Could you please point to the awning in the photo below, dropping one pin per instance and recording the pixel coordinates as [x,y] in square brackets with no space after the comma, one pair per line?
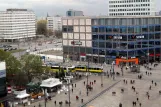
[51,82]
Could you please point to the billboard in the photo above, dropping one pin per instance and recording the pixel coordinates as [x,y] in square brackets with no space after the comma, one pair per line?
[2,69]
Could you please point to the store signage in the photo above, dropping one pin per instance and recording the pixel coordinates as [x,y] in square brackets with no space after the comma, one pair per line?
[133,57]
[76,43]
[117,37]
[140,37]
[123,57]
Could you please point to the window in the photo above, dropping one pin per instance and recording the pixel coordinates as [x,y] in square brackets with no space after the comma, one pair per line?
[108,29]
[101,37]
[157,28]
[144,28]
[102,44]
[123,29]
[101,29]
[95,37]
[95,44]
[95,29]
[130,29]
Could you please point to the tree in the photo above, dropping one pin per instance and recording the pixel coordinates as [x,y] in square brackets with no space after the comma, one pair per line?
[32,66]
[58,33]
[12,64]
[42,27]
[50,32]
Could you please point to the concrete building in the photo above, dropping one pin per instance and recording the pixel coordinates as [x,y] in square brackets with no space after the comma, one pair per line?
[72,12]
[131,7]
[54,23]
[17,24]
[103,39]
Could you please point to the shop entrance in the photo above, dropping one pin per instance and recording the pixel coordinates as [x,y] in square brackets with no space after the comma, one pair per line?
[125,61]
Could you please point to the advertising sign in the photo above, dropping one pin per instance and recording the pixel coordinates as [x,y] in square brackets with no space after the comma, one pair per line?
[2,69]
[117,37]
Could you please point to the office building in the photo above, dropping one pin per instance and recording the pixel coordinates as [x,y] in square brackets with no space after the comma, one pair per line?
[103,39]
[16,24]
[54,23]
[131,7]
[72,12]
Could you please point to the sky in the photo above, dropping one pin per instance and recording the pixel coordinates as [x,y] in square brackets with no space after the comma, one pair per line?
[59,7]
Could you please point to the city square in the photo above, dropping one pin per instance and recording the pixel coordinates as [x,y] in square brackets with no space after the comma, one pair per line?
[103,96]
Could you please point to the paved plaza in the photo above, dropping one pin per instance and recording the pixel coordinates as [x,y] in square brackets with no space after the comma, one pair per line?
[103,97]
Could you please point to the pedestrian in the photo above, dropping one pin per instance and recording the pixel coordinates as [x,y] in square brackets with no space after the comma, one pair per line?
[39,105]
[124,80]
[75,85]
[82,100]
[55,102]
[148,97]
[133,103]
[146,72]
[140,104]
[155,84]
[137,99]
[84,82]
[134,89]
[72,90]
[79,92]
[150,87]
[120,105]
[72,85]
[150,73]
[152,81]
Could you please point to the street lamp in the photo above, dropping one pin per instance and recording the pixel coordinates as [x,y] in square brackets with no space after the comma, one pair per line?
[69,91]
[113,69]
[45,96]
[87,71]
[102,77]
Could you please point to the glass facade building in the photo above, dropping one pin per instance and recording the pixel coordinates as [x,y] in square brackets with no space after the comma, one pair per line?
[125,37]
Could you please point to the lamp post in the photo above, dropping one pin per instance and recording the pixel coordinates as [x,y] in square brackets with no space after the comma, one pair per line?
[44,96]
[87,70]
[69,91]
[102,77]
[113,70]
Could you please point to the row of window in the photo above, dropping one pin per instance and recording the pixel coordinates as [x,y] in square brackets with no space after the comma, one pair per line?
[67,28]
[125,45]
[133,9]
[124,53]
[126,21]
[122,14]
[124,29]
[127,37]
[128,1]
[130,5]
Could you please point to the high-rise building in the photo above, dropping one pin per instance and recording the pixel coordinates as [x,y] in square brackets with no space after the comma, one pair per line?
[17,24]
[72,12]
[54,23]
[106,39]
[131,7]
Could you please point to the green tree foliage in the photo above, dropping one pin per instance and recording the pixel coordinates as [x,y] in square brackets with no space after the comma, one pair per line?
[12,64]
[58,33]
[32,66]
[41,27]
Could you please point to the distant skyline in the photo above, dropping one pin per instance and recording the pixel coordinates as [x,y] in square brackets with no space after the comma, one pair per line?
[54,7]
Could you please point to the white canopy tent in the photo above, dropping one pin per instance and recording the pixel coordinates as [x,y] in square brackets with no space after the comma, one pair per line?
[51,82]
